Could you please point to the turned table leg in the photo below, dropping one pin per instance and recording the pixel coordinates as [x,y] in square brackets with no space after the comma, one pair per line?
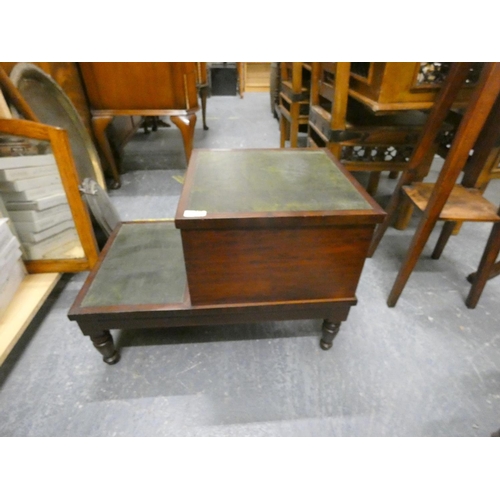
[329,332]
[103,342]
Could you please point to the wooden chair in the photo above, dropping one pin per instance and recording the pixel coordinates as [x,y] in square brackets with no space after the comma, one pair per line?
[294,100]
[445,200]
[358,137]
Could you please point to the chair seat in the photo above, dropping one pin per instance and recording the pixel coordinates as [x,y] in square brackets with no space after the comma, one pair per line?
[463,204]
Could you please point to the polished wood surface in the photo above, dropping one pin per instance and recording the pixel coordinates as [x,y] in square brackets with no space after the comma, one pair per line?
[266,265]
[126,306]
[134,87]
[145,89]
[395,86]
[267,225]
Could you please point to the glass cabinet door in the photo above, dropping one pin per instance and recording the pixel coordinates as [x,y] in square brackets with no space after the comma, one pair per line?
[39,192]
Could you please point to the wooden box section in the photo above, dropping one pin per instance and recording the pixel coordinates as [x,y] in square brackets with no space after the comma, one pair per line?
[397,86]
[262,226]
[125,86]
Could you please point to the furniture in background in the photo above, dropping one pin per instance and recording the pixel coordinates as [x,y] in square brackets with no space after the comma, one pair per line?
[203,87]
[251,244]
[401,86]
[294,95]
[361,139]
[75,249]
[254,76]
[224,79]
[274,88]
[144,89]
[444,200]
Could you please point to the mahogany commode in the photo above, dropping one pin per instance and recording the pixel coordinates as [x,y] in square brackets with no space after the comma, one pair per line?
[259,235]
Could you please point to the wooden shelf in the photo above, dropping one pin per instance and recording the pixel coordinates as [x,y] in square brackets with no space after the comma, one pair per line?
[30,296]
[463,204]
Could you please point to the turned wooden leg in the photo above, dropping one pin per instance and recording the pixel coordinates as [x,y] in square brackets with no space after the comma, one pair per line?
[99,124]
[203,98]
[329,331]
[186,124]
[103,342]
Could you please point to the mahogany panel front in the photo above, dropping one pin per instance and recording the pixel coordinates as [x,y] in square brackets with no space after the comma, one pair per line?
[273,225]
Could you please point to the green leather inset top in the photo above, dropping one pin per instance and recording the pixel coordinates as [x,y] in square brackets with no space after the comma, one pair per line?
[249,181]
[145,265]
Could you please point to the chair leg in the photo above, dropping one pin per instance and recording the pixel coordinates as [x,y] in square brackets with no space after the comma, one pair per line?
[417,245]
[282,131]
[373,181]
[446,232]
[203,98]
[485,267]
[495,271]
[405,211]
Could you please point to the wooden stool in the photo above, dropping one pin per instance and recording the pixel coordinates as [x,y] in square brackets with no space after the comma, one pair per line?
[444,200]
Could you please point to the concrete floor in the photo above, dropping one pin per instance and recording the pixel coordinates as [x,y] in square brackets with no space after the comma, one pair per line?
[428,367]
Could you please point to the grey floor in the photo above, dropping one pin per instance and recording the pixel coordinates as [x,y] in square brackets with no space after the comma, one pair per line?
[428,367]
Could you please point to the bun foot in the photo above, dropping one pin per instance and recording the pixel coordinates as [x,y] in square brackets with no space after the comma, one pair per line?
[325,345]
[112,360]
[329,332]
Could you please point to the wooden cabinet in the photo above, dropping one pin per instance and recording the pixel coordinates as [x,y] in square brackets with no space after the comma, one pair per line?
[256,77]
[397,86]
[144,89]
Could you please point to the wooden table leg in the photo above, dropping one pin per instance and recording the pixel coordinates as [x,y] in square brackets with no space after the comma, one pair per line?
[329,332]
[103,342]
[99,124]
[186,124]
